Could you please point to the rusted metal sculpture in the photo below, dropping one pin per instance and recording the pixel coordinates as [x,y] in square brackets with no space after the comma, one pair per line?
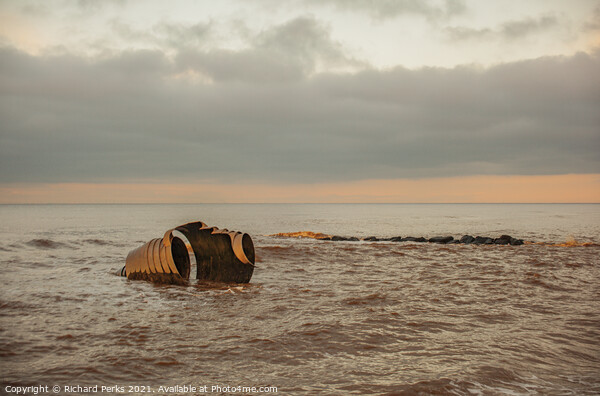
[221,256]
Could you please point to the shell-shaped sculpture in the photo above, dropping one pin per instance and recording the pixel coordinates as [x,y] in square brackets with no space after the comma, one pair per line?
[221,255]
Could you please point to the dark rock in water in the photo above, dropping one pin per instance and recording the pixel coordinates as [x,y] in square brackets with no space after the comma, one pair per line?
[338,238]
[479,240]
[503,240]
[441,239]
[341,238]
[413,239]
[467,239]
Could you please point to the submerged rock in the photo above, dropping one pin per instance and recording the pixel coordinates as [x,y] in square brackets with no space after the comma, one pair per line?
[413,239]
[439,239]
[341,238]
[338,238]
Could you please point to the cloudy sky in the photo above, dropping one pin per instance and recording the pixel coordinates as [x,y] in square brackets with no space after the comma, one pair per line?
[300,101]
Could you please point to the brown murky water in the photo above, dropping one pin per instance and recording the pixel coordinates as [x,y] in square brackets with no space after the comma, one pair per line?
[319,317]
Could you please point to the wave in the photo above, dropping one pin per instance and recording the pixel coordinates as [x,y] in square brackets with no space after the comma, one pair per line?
[99,242]
[277,248]
[369,299]
[570,242]
[17,306]
[45,244]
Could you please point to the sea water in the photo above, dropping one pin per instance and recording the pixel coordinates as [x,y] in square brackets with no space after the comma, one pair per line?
[318,317]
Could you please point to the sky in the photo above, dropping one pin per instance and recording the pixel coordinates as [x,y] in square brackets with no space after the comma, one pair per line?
[299,101]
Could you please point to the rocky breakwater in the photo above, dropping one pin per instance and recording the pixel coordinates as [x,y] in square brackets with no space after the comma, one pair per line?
[465,239]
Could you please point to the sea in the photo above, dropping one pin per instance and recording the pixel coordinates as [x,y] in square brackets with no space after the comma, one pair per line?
[318,317]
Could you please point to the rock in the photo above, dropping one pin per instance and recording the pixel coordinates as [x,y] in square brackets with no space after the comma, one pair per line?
[446,239]
[338,238]
[467,239]
[479,240]
[341,238]
[503,240]
[413,239]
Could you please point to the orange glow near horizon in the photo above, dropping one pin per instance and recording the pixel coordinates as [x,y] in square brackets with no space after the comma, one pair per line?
[575,188]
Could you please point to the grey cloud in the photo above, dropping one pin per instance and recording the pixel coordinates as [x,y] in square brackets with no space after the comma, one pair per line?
[510,30]
[135,64]
[287,52]
[460,33]
[383,9]
[93,5]
[177,35]
[66,118]
[254,65]
[517,29]
[39,10]
[305,38]
[593,23]
[166,35]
